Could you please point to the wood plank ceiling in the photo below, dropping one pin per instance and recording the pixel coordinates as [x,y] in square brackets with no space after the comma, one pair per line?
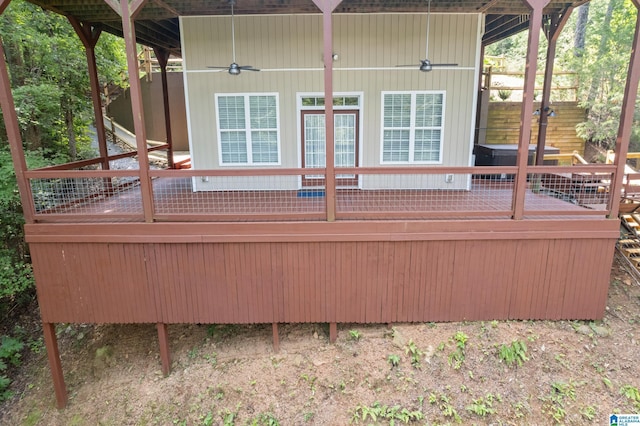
[157,23]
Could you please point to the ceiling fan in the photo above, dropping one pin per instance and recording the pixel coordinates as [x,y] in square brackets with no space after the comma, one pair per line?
[425,64]
[234,68]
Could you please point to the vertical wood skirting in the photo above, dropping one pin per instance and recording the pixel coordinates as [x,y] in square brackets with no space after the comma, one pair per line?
[53,354]
[165,352]
[323,282]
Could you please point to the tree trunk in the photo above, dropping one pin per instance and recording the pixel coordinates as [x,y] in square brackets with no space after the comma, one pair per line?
[71,134]
[605,31]
[581,30]
[32,137]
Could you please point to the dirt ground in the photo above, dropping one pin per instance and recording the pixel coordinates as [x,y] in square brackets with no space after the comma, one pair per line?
[571,373]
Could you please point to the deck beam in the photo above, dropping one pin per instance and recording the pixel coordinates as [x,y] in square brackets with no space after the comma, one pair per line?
[163,58]
[128,12]
[89,35]
[53,354]
[333,332]
[165,352]
[553,32]
[276,337]
[535,26]
[327,7]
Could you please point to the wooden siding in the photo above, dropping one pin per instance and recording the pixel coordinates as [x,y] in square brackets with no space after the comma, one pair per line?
[504,124]
[321,272]
[120,110]
[288,49]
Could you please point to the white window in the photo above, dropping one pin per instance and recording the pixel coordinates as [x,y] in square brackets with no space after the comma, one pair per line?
[412,127]
[248,129]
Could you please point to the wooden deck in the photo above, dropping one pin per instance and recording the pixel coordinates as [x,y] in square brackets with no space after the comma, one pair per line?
[174,199]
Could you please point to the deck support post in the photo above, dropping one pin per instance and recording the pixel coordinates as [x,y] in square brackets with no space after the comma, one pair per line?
[13,132]
[535,24]
[276,337]
[53,354]
[163,59]
[553,31]
[89,35]
[127,12]
[333,332]
[327,7]
[626,119]
[165,353]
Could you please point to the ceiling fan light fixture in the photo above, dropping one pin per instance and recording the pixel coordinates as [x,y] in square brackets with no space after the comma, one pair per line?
[425,66]
[234,69]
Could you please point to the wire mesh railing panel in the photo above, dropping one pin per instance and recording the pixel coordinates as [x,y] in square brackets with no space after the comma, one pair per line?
[238,198]
[568,193]
[434,196]
[87,196]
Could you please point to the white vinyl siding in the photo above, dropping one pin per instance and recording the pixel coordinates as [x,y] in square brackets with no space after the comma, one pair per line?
[248,130]
[412,127]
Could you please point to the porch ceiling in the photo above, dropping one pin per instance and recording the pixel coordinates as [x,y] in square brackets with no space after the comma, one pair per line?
[157,23]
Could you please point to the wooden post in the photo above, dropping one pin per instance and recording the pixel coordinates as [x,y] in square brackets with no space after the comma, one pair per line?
[13,133]
[128,12]
[327,7]
[276,337]
[626,119]
[535,24]
[333,332]
[53,354]
[556,25]
[163,58]
[89,35]
[165,352]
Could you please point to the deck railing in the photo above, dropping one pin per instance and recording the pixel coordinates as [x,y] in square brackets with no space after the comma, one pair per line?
[380,193]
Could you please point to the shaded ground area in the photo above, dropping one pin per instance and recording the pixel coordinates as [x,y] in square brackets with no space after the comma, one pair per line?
[571,373]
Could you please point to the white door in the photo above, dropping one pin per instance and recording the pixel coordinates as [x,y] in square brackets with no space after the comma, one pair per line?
[314,145]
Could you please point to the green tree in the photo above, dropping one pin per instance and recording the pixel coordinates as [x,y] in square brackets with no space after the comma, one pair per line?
[49,75]
[601,63]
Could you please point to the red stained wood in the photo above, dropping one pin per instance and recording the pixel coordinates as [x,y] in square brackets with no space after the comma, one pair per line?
[163,343]
[323,281]
[53,354]
[276,337]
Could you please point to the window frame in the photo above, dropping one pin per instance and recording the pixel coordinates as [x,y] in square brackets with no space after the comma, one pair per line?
[412,126]
[249,147]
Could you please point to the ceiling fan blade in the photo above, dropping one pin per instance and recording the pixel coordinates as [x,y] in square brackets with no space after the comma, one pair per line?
[248,68]
[218,68]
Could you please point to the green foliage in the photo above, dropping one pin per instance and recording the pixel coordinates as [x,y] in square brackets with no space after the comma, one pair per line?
[601,66]
[416,354]
[632,394]
[589,412]
[482,407]
[10,354]
[504,94]
[264,419]
[456,358]
[354,335]
[48,71]
[16,277]
[394,360]
[554,404]
[514,353]
[445,406]
[378,413]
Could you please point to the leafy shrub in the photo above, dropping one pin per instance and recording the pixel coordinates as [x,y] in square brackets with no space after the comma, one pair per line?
[10,354]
